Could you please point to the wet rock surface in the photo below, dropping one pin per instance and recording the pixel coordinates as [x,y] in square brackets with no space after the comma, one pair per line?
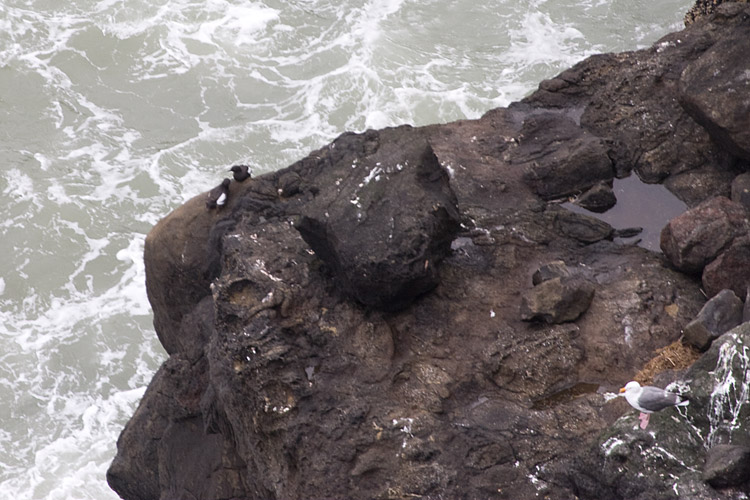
[309,358]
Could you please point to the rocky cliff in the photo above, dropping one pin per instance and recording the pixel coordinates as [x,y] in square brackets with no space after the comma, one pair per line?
[411,313]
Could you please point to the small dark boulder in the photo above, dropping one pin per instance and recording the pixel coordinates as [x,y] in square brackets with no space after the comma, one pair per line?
[557,300]
[554,269]
[696,237]
[727,465]
[583,228]
[599,198]
[720,314]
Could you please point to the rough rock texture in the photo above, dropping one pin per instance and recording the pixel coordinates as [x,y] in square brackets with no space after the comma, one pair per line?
[715,90]
[720,314]
[559,157]
[557,300]
[398,199]
[285,381]
[695,238]
[730,269]
[599,198]
[554,269]
[727,465]
[703,8]
[741,190]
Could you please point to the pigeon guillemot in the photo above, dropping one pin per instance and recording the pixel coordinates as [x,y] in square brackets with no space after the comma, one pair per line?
[217,197]
[649,399]
[241,172]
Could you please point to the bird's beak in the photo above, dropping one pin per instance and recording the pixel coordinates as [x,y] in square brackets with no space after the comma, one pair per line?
[622,389]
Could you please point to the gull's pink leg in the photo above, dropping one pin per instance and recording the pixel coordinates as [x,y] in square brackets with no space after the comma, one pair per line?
[644,420]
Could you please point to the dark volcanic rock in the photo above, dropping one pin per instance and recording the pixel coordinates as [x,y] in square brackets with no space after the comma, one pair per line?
[727,465]
[554,269]
[580,227]
[741,190]
[720,314]
[560,158]
[703,8]
[430,384]
[599,198]
[388,221]
[715,88]
[695,238]
[557,300]
[729,270]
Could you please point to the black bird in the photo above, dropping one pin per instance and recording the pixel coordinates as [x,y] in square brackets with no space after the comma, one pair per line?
[217,197]
[241,172]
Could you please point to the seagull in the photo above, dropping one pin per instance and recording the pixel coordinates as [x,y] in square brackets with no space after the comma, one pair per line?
[649,399]
[217,197]
[241,172]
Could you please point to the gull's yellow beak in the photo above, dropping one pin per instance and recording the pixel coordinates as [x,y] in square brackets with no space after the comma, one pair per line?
[622,389]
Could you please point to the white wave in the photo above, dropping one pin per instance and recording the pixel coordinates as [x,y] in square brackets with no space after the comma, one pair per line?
[19,186]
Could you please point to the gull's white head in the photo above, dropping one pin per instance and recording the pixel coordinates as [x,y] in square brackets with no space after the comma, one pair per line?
[630,386]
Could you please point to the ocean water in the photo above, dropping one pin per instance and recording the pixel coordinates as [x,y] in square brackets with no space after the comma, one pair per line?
[114,112]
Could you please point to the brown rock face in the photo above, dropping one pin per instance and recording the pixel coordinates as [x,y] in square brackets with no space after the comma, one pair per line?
[729,270]
[317,353]
[698,236]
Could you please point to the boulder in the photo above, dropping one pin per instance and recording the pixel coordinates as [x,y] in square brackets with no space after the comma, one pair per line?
[729,269]
[727,465]
[715,89]
[695,238]
[559,157]
[583,228]
[389,220]
[557,300]
[599,198]
[720,314]
[554,269]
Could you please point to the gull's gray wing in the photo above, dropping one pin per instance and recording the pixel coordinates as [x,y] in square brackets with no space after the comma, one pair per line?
[655,399]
